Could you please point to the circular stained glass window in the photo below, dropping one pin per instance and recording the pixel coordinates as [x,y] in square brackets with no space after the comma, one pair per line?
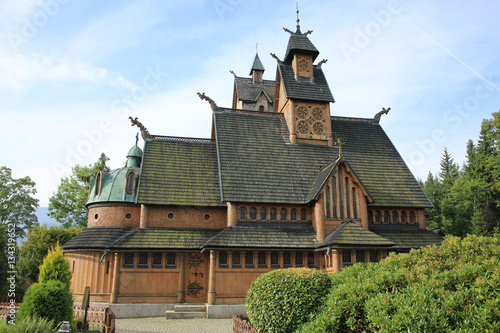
[303,126]
[302,112]
[319,128]
[317,113]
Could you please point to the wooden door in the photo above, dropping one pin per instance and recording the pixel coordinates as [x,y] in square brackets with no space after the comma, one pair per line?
[196,277]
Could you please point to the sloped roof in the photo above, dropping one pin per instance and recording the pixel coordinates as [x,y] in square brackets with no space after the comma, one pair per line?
[378,165]
[317,90]
[248,91]
[410,238]
[299,42]
[166,238]
[258,163]
[97,238]
[179,172]
[257,64]
[349,233]
[286,236]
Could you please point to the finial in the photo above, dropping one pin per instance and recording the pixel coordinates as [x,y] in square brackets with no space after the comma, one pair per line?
[230,71]
[137,138]
[257,48]
[298,20]
[276,57]
[340,144]
[376,118]
[209,100]
[322,62]
[144,132]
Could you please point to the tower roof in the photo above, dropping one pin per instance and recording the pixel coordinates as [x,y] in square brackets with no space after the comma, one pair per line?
[257,64]
[299,43]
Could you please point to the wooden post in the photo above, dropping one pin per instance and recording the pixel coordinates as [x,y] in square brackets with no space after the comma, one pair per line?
[182,274]
[144,216]
[116,279]
[211,279]
[319,217]
[232,214]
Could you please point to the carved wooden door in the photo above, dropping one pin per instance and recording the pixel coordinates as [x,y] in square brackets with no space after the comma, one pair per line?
[196,277]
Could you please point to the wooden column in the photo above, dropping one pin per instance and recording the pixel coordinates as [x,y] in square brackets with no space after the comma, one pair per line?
[319,218]
[144,216]
[116,280]
[211,279]
[182,275]
[232,214]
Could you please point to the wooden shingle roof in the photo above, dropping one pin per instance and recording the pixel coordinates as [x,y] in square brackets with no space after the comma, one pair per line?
[282,236]
[349,233]
[410,238]
[317,90]
[179,172]
[248,91]
[97,238]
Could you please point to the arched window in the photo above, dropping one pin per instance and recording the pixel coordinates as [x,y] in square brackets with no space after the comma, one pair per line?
[236,259]
[262,259]
[370,216]
[327,202]
[293,214]
[299,259]
[403,217]
[283,214]
[263,214]
[303,214]
[273,214]
[412,217]
[334,197]
[347,201]
[395,217]
[130,187]
[287,259]
[98,182]
[249,259]
[223,259]
[386,216]
[378,216]
[253,213]
[341,196]
[261,108]
[275,259]
[354,203]
[243,213]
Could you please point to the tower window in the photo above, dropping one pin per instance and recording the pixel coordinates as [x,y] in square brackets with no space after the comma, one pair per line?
[327,202]
[293,214]
[378,216]
[253,213]
[395,217]
[130,187]
[98,182]
[347,201]
[341,196]
[386,216]
[261,108]
[354,203]
[273,214]
[370,216]
[334,196]
[412,217]
[403,217]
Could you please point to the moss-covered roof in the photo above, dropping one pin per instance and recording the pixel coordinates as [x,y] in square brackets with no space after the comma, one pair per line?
[179,172]
[97,238]
[349,233]
[283,236]
[249,91]
[408,237]
[317,90]
[113,187]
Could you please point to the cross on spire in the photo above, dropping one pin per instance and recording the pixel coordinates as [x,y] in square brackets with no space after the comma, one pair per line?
[340,144]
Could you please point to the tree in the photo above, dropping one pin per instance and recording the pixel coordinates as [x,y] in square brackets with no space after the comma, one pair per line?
[449,169]
[67,205]
[39,240]
[55,267]
[17,204]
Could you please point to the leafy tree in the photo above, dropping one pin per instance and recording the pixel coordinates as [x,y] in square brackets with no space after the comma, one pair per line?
[17,204]
[39,240]
[67,205]
[55,267]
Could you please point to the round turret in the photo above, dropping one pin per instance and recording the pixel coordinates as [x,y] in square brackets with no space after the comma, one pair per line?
[134,157]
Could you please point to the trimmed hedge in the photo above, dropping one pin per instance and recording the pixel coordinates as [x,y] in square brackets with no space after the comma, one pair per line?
[451,288]
[281,300]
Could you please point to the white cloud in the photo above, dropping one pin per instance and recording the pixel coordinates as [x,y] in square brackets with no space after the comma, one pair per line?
[20,72]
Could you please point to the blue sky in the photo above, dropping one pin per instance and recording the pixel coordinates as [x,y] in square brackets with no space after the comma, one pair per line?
[72,72]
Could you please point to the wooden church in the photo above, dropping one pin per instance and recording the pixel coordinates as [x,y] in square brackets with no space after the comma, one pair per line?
[280,183]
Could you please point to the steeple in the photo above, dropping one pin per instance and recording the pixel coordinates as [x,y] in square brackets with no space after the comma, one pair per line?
[257,70]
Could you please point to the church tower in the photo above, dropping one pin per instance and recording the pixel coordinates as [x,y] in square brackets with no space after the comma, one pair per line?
[302,93]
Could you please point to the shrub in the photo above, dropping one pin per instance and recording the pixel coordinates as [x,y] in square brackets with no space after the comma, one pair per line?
[454,287]
[51,300]
[281,300]
[55,267]
[30,325]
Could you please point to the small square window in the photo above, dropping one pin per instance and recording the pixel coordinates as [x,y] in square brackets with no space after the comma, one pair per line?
[157,259]
[143,260]
[128,260]
[171,260]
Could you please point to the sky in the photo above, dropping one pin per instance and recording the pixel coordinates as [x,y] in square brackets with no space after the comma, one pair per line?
[72,72]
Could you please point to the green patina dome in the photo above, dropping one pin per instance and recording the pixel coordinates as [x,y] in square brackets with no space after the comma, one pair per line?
[135,152]
[134,157]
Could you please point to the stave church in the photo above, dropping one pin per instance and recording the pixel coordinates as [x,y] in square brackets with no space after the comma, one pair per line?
[282,182]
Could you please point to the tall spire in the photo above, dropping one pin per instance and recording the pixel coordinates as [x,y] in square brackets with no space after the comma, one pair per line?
[298,20]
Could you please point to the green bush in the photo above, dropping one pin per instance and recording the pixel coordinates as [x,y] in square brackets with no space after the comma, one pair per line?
[30,325]
[51,300]
[451,288]
[281,300]
[55,267]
